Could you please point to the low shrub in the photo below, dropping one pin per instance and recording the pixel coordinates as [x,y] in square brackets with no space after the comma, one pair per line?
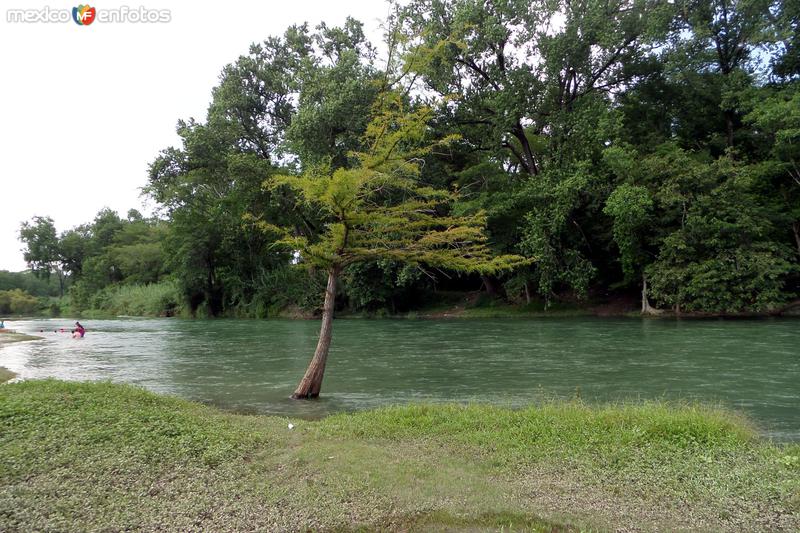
[18,302]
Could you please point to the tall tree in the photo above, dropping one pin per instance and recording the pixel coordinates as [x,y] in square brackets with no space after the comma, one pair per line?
[778,118]
[74,244]
[336,87]
[721,35]
[42,251]
[378,210]
[787,61]
[304,95]
[517,69]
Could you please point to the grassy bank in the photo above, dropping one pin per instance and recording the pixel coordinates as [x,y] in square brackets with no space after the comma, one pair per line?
[154,299]
[101,456]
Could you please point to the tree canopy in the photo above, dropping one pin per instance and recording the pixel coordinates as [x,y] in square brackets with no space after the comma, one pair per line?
[618,146]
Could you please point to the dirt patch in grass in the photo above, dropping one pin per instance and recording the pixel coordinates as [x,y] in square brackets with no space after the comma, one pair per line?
[6,374]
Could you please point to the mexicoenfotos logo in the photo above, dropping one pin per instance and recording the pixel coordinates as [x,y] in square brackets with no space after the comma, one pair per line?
[83,15]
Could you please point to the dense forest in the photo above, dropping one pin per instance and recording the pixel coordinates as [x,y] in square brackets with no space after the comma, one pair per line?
[633,149]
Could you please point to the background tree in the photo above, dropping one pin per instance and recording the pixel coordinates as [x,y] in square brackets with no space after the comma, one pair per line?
[528,86]
[619,143]
[722,35]
[302,98]
[42,251]
[777,115]
[520,68]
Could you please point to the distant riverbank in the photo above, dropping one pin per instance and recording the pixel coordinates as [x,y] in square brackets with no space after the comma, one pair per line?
[162,300]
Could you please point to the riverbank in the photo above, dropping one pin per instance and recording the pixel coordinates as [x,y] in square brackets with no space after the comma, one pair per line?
[480,305]
[8,336]
[6,375]
[97,455]
[441,305]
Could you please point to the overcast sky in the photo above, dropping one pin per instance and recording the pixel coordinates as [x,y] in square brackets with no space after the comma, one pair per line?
[84,109]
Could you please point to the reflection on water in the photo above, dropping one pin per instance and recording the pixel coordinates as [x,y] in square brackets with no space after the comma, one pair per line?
[253,366]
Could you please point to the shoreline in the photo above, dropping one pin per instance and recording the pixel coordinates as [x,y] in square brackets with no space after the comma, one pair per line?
[475,304]
[8,336]
[456,313]
[6,375]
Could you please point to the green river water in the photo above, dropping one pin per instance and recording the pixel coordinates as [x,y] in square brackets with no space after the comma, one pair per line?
[253,365]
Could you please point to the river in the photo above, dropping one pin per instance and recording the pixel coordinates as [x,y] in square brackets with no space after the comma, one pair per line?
[253,365]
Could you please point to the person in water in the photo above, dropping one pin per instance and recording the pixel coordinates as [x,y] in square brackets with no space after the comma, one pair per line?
[80,330]
[2,324]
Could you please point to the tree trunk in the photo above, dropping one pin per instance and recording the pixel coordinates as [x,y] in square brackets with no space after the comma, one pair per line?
[647,309]
[526,157]
[729,127]
[796,229]
[311,383]
[490,284]
[527,294]
[61,282]
[788,307]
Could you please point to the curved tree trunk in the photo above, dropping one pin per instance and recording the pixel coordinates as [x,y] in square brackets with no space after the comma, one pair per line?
[647,309]
[60,282]
[491,285]
[729,127]
[311,383]
[787,307]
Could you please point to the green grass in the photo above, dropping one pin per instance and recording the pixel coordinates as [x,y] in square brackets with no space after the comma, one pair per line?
[99,456]
[153,299]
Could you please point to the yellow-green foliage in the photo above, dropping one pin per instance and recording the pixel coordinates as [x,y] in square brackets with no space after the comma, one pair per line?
[18,302]
[380,210]
[152,299]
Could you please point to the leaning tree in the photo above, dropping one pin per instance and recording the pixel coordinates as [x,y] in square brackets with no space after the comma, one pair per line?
[379,209]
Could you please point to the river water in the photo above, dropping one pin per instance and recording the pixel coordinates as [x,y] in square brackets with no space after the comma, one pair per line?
[253,365]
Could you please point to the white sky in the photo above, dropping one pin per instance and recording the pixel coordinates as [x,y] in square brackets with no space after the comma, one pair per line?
[83,110]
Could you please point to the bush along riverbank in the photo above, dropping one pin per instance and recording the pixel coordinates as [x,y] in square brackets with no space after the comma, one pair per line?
[91,456]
